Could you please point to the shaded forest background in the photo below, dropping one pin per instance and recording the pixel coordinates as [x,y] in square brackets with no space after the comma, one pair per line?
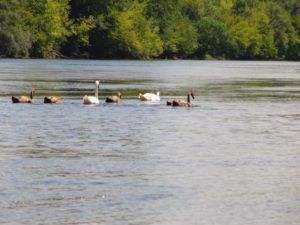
[132,29]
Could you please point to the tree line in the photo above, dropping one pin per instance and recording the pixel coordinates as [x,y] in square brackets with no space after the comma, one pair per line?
[145,29]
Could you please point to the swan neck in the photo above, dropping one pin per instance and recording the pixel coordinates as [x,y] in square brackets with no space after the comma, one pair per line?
[31,95]
[189,98]
[97,91]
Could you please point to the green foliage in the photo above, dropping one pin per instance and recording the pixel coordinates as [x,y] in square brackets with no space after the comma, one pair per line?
[243,7]
[281,26]
[214,38]
[14,39]
[177,32]
[136,35]
[82,28]
[50,25]
[180,37]
[231,29]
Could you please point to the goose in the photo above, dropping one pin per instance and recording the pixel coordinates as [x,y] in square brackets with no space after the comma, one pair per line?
[24,99]
[53,99]
[92,99]
[180,102]
[149,97]
[114,98]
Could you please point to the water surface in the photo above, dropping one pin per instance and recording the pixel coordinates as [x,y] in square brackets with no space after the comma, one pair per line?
[233,158]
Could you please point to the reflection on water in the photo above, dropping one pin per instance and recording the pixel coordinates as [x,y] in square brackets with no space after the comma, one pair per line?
[232,159]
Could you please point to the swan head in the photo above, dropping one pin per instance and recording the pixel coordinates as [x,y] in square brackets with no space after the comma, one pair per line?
[32,93]
[158,93]
[119,95]
[97,83]
[191,93]
[140,95]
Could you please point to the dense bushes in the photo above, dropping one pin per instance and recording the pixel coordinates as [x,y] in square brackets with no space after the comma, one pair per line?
[225,29]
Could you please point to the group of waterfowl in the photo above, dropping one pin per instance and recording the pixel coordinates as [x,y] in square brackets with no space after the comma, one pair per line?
[110,99]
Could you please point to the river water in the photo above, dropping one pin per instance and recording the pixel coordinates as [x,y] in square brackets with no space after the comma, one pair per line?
[233,158]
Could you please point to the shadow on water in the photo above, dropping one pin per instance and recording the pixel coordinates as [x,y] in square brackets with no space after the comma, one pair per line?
[87,81]
[254,89]
[73,88]
[232,90]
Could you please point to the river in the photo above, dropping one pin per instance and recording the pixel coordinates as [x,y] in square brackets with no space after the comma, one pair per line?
[233,158]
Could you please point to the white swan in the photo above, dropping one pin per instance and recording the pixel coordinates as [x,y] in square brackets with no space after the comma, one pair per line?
[149,97]
[92,99]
